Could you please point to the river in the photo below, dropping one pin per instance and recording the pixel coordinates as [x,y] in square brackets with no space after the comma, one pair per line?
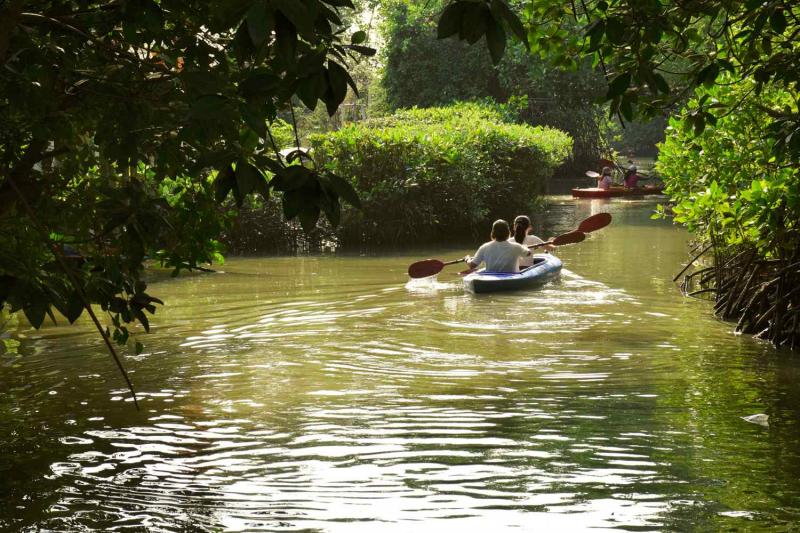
[327,394]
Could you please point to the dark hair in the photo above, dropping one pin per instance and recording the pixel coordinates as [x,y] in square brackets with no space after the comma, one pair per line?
[606,171]
[521,225]
[500,231]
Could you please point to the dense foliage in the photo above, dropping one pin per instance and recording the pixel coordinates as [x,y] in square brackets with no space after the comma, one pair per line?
[421,70]
[734,194]
[124,126]
[439,173]
[727,182]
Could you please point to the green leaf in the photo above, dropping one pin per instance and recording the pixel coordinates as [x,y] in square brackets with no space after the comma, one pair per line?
[74,307]
[661,83]
[337,82]
[615,30]
[502,11]
[254,119]
[595,32]
[309,216]
[496,40]
[358,37]
[36,310]
[297,13]
[626,108]
[619,85]
[777,20]
[708,74]
[259,85]
[312,88]
[343,189]
[249,179]
[293,202]
[226,180]
[450,21]
[727,65]
[260,23]
[699,123]
[142,318]
[285,38]
[363,50]
[291,178]
[474,22]
[332,209]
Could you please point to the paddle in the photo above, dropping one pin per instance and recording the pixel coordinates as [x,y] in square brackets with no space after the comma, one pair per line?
[595,222]
[572,237]
[429,267]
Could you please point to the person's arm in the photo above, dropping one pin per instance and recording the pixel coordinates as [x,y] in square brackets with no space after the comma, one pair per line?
[475,260]
[537,240]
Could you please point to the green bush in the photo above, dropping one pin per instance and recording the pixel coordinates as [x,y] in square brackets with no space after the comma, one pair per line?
[422,70]
[726,182]
[439,174]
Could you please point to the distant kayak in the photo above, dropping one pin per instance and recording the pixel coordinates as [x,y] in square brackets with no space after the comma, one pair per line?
[545,267]
[614,192]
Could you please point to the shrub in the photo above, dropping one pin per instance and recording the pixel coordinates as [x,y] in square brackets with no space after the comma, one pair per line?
[726,182]
[439,174]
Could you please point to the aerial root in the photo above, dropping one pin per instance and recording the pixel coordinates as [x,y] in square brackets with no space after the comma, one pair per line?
[761,295]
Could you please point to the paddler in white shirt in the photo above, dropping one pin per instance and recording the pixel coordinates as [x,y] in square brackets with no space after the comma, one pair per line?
[500,254]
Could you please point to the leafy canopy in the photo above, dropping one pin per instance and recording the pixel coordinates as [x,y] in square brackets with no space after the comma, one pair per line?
[727,183]
[656,53]
[125,126]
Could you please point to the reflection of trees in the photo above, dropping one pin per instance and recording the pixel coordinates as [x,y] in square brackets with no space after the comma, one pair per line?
[733,465]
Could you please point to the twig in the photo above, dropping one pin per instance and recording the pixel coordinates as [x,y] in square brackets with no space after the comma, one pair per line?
[701,291]
[78,288]
[695,258]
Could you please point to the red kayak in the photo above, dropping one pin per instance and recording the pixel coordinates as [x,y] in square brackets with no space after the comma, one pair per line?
[614,192]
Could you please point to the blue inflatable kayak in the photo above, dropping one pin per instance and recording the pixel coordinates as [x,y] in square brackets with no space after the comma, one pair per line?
[545,267]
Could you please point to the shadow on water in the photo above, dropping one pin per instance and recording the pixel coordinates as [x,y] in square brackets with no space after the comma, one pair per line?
[327,394]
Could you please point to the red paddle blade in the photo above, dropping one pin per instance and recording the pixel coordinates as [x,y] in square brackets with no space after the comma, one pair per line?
[595,222]
[426,268]
[569,238]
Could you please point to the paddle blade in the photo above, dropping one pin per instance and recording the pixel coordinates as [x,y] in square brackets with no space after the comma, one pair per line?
[569,238]
[426,268]
[595,222]
[592,174]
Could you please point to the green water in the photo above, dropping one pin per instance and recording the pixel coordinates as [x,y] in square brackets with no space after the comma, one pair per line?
[326,394]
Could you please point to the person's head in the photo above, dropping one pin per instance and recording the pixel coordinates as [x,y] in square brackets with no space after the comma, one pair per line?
[500,231]
[521,225]
[606,171]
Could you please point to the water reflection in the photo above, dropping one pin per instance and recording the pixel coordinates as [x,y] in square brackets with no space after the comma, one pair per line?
[327,394]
